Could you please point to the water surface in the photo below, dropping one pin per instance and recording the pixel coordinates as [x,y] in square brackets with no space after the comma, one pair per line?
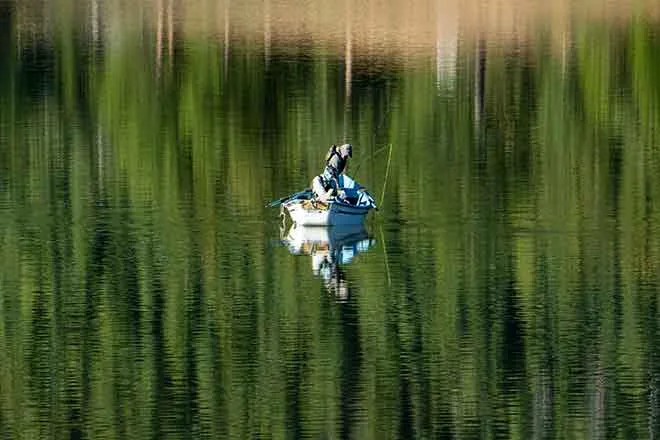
[506,288]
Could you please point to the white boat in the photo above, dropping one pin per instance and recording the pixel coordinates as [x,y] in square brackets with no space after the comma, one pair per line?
[349,209]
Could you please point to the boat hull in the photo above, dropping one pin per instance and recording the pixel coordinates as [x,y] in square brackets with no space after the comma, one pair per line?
[336,214]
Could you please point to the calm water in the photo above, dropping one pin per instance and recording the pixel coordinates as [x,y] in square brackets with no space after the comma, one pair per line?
[507,288]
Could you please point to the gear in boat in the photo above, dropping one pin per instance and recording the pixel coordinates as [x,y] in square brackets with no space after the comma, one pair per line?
[349,206]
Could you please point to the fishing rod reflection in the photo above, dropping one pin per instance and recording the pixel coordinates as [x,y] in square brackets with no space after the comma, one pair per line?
[330,248]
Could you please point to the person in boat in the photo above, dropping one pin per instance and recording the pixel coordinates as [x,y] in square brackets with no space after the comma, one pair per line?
[326,185]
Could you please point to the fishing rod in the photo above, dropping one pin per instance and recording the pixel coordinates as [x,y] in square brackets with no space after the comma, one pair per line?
[373,141]
[370,156]
[278,202]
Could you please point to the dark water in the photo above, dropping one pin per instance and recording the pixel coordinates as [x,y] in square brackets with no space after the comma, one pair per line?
[507,288]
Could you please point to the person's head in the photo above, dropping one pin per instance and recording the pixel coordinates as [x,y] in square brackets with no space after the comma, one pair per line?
[346,150]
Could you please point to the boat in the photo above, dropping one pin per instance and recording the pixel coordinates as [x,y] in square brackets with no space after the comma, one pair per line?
[350,207]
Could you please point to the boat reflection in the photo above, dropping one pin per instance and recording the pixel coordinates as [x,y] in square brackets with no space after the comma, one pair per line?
[330,249]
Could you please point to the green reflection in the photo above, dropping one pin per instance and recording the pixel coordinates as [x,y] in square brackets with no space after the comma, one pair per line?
[513,294]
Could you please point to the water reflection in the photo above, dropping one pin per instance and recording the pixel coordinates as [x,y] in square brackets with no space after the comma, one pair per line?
[330,248]
[516,295]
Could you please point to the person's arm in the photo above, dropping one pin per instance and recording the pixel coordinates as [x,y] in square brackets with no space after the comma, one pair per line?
[333,165]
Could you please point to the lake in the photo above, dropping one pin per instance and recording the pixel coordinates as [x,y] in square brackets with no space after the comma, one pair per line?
[508,287]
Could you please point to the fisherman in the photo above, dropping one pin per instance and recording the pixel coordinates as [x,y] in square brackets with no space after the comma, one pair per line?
[326,184]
